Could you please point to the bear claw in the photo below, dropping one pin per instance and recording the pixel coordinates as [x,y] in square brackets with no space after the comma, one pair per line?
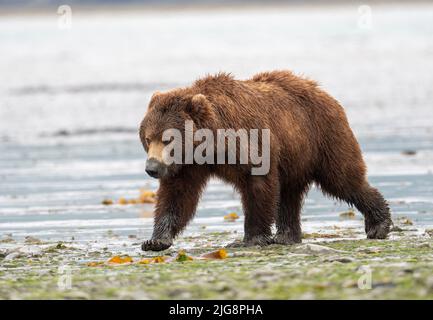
[156,245]
[378,230]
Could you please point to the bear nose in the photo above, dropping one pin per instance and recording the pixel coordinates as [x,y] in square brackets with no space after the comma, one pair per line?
[153,168]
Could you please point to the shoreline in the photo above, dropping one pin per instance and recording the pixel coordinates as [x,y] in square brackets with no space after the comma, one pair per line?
[195,7]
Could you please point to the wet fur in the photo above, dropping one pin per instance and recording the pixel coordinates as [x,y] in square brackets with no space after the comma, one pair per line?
[311,142]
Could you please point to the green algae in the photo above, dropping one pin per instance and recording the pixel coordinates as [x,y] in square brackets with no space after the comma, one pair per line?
[399,268]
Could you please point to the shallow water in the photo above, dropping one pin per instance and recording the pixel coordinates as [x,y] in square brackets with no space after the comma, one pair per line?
[71,101]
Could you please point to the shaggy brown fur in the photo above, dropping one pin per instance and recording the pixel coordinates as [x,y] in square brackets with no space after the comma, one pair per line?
[311,141]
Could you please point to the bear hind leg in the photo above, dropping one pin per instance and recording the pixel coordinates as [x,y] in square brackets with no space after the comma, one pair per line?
[260,204]
[368,200]
[375,210]
[288,220]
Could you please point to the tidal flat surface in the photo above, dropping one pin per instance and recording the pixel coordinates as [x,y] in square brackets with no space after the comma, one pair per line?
[69,116]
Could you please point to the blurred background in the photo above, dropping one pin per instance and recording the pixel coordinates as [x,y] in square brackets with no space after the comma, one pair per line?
[76,78]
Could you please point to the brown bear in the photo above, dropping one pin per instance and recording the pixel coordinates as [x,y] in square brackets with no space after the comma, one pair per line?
[310,142]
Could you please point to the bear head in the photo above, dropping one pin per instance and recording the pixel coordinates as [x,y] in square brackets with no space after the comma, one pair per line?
[169,111]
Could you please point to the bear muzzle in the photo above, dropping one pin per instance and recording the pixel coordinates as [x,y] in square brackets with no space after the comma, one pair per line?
[155,168]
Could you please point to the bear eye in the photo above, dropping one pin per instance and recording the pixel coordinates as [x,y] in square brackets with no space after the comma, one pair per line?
[147,141]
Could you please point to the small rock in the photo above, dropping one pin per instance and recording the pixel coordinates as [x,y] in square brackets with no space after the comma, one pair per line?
[179,293]
[3,253]
[423,245]
[246,254]
[12,256]
[77,295]
[60,245]
[371,250]
[30,251]
[307,296]
[350,284]
[384,284]
[316,235]
[429,232]
[408,152]
[340,259]
[32,240]
[315,248]
[132,295]
[7,239]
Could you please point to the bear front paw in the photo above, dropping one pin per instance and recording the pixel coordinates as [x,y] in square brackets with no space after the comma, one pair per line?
[378,230]
[156,245]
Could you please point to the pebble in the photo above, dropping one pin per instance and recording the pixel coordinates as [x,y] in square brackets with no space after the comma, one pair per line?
[340,259]
[77,295]
[3,253]
[32,251]
[7,239]
[429,232]
[423,245]
[12,256]
[315,248]
[32,240]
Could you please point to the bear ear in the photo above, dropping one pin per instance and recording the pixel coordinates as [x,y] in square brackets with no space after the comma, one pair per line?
[153,100]
[200,109]
[198,99]
[155,95]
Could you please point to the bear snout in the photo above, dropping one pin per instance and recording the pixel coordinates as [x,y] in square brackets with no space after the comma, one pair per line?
[155,168]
